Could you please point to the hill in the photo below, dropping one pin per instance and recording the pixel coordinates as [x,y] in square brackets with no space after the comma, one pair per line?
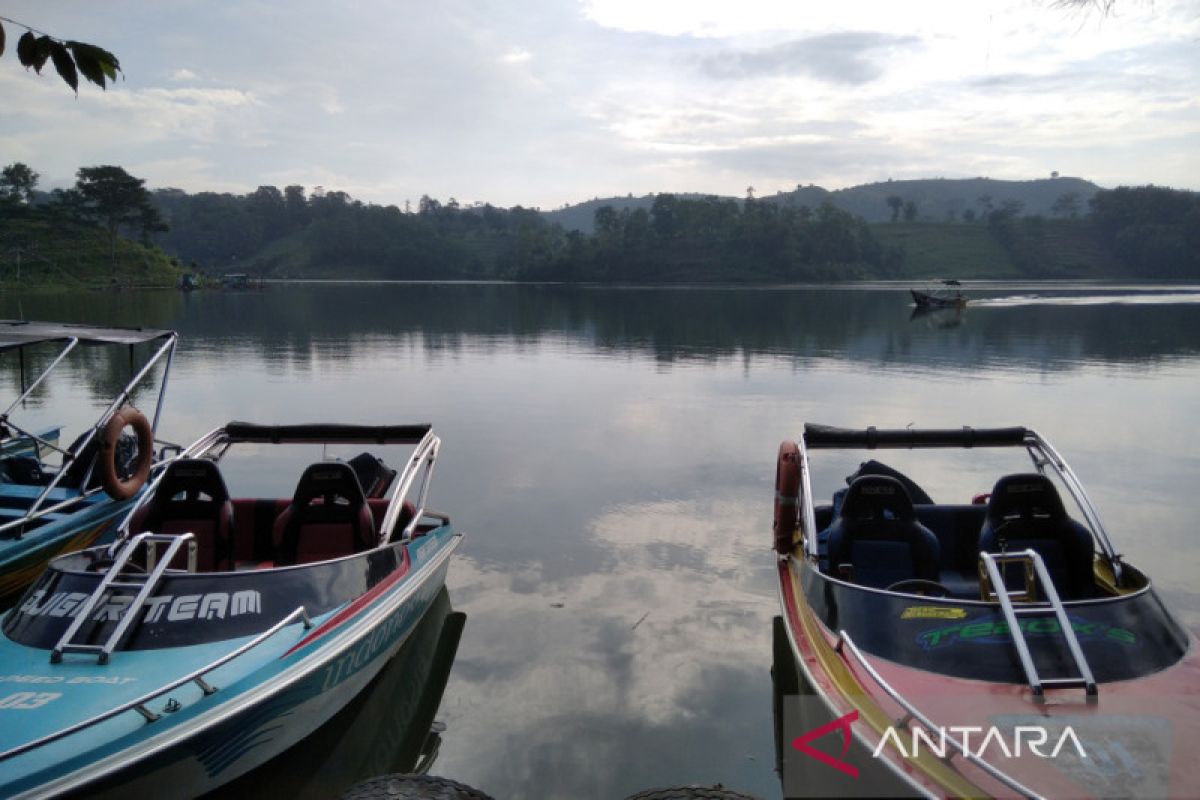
[936,200]
[36,251]
[1060,249]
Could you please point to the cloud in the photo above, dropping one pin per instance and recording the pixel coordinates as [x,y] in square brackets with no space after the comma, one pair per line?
[183,75]
[516,55]
[853,57]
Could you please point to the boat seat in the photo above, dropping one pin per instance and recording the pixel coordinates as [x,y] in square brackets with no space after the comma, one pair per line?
[192,497]
[876,532]
[328,517]
[1025,512]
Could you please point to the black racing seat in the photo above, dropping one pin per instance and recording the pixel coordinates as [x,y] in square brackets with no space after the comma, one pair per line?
[192,498]
[1025,512]
[328,518]
[876,532]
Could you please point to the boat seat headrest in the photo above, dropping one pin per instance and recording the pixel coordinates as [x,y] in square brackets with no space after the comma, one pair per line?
[196,479]
[877,497]
[334,482]
[1024,495]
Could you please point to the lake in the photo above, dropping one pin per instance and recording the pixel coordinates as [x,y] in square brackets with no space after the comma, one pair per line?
[610,454]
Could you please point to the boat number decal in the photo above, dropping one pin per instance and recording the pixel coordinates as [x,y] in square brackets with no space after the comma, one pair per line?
[933,612]
[362,653]
[988,630]
[169,608]
[27,700]
[107,680]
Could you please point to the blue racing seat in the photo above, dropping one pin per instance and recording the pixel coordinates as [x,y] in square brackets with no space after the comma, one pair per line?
[1026,513]
[876,532]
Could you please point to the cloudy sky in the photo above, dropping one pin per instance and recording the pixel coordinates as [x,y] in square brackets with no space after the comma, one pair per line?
[546,102]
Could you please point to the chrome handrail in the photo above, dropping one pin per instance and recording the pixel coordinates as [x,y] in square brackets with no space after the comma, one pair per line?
[844,641]
[139,703]
[1077,492]
[167,348]
[425,454]
[71,344]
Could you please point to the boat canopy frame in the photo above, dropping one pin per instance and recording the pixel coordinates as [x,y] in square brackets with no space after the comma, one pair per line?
[217,442]
[1043,455]
[17,335]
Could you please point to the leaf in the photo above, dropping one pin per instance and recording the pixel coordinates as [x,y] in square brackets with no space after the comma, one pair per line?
[41,52]
[104,59]
[26,48]
[1,40]
[88,59]
[65,65]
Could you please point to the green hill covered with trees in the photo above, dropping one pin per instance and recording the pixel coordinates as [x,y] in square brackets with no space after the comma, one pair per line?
[83,235]
[78,237]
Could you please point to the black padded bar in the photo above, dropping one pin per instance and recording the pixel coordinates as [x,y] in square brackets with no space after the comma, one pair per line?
[321,433]
[824,436]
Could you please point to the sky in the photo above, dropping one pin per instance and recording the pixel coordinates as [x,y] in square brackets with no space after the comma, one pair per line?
[542,103]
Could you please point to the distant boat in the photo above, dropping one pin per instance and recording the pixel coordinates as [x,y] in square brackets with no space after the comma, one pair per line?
[939,298]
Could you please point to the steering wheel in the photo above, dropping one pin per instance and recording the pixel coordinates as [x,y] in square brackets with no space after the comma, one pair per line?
[919,586]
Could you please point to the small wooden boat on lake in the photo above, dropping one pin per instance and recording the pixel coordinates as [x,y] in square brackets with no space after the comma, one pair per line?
[994,648]
[936,298]
[219,630]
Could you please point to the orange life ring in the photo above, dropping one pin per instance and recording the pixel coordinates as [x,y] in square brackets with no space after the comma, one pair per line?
[787,497]
[117,487]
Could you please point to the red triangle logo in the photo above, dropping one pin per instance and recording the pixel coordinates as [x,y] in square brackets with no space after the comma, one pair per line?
[801,743]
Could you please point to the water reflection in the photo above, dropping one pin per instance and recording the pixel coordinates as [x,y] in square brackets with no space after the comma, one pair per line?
[388,728]
[300,325]
[609,454]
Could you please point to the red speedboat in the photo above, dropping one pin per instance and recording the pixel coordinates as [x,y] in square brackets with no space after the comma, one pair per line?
[996,648]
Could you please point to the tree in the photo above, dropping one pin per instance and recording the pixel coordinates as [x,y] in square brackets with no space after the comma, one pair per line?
[70,58]
[17,182]
[1068,205]
[114,198]
[910,211]
[895,202]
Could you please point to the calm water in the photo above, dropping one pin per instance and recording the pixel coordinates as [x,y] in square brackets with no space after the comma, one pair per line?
[610,455]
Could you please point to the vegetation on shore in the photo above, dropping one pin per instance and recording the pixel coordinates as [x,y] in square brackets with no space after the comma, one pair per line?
[76,237]
[1141,233]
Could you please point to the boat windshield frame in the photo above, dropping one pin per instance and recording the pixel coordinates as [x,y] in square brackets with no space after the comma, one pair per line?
[17,335]
[1040,451]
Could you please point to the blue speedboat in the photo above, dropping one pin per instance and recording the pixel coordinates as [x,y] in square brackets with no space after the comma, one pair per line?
[219,630]
[57,499]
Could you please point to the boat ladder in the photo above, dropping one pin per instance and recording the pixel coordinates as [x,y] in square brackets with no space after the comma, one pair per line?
[117,582]
[994,588]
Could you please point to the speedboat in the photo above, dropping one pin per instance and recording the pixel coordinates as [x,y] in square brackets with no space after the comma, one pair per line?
[56,499]
[219,630]
[996,647]
[938,298]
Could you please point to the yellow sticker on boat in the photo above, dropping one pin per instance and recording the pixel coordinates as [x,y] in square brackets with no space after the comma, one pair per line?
[933,612]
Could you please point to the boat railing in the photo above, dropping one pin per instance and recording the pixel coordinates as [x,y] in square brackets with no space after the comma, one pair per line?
[425,455]
[1034,566]
[167,350]
[62,505]
[139,704]
[913,713]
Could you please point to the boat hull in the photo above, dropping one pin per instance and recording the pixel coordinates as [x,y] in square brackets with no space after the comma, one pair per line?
[1132,741]
[306,678]
[23,560]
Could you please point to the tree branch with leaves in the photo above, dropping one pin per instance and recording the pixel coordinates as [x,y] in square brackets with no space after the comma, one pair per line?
[71,59]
